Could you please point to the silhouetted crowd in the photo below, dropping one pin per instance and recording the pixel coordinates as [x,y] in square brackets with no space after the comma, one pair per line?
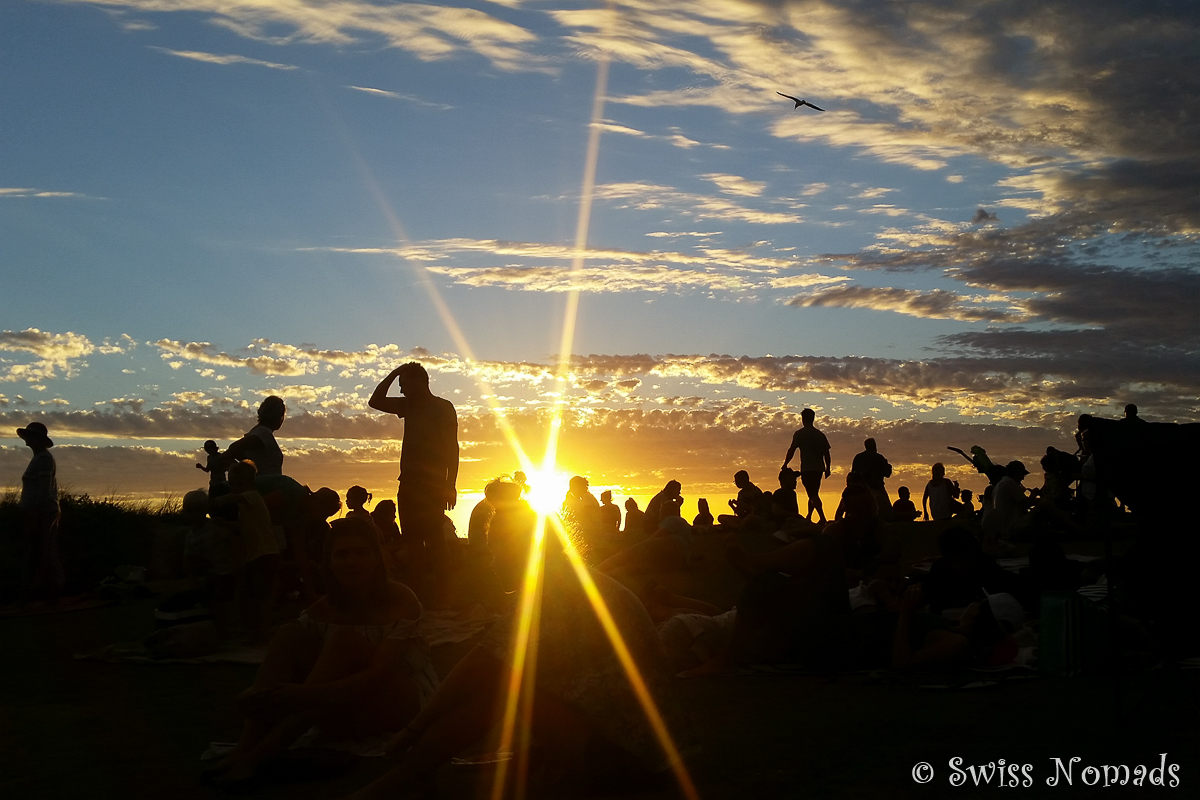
[822,593]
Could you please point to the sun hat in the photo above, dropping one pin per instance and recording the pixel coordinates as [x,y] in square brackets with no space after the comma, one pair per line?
[35,432]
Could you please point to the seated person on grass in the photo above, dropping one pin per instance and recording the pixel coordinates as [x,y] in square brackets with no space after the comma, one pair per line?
[746,503]
[350,665]
[904,509]
[796,602]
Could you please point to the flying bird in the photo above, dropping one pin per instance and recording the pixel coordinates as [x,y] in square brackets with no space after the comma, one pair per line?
[799,102]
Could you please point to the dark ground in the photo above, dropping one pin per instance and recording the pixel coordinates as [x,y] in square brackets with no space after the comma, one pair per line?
[84,729]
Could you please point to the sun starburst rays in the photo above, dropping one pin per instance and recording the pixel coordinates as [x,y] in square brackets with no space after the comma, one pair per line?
[517,712]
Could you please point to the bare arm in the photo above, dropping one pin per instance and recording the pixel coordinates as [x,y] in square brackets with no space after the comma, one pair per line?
[828,463]
[925,501]
[242,449]
[380,400]
[791,452]
[388,661]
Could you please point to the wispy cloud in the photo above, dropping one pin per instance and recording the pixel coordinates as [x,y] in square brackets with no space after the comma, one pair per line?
[647,196]
[224,60]
[429,32]
[606,270]
[16,192]
[675,138]
[408,98]
[736,185]
[935,304]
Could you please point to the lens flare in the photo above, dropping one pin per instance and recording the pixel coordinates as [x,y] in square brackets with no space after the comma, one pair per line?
[547,488]
[548,484]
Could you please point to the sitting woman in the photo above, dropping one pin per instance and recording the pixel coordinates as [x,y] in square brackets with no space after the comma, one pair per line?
[584,712]
[350,665]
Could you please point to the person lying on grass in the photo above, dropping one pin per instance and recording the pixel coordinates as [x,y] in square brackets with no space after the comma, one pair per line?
[349,665]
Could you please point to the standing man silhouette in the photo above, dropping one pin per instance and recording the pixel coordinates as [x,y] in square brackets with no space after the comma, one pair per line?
[814,461]
[428,464]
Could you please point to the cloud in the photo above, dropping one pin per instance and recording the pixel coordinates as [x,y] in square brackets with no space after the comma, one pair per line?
[675,138]
[982,216]
[736,185]
[934,304]
[605,269]
[225,60]
[55,352]
[15,192]
[428,32]
[264,357]
[613,278]
[647,196]
[398,96]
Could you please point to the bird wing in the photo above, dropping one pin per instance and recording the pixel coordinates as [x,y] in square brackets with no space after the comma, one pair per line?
[810,105]
[789,97]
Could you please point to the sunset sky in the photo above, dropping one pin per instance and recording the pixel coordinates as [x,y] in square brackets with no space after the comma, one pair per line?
[992,228]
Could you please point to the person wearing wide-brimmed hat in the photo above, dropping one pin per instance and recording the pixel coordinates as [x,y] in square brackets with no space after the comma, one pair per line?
[39,504]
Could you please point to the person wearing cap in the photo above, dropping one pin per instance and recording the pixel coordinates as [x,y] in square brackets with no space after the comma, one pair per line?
[44,577]
[1008,513]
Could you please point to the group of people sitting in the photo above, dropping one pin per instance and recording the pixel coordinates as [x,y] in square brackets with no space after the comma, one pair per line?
[830,596]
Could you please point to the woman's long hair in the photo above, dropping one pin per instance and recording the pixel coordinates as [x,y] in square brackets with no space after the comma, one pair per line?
[365,530]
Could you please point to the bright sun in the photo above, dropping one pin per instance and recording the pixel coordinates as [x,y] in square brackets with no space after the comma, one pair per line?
[547,488]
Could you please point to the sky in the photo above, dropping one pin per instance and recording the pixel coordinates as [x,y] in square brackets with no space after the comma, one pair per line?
[992,228]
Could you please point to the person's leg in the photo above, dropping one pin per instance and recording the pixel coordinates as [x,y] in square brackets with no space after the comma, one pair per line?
[391,705]
[467,705]
[662,596]
[812,487]
[344,653]
[289,658]
[756,605]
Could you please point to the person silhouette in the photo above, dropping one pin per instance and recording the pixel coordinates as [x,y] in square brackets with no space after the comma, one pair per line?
[814,461]
[356,498]
[666,503]
[43,577]
[610,517]
[746,503]
[1131,414]
[259,445]
[635,520]
[874,469]
[214,465]
[904,510]
[428,463]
